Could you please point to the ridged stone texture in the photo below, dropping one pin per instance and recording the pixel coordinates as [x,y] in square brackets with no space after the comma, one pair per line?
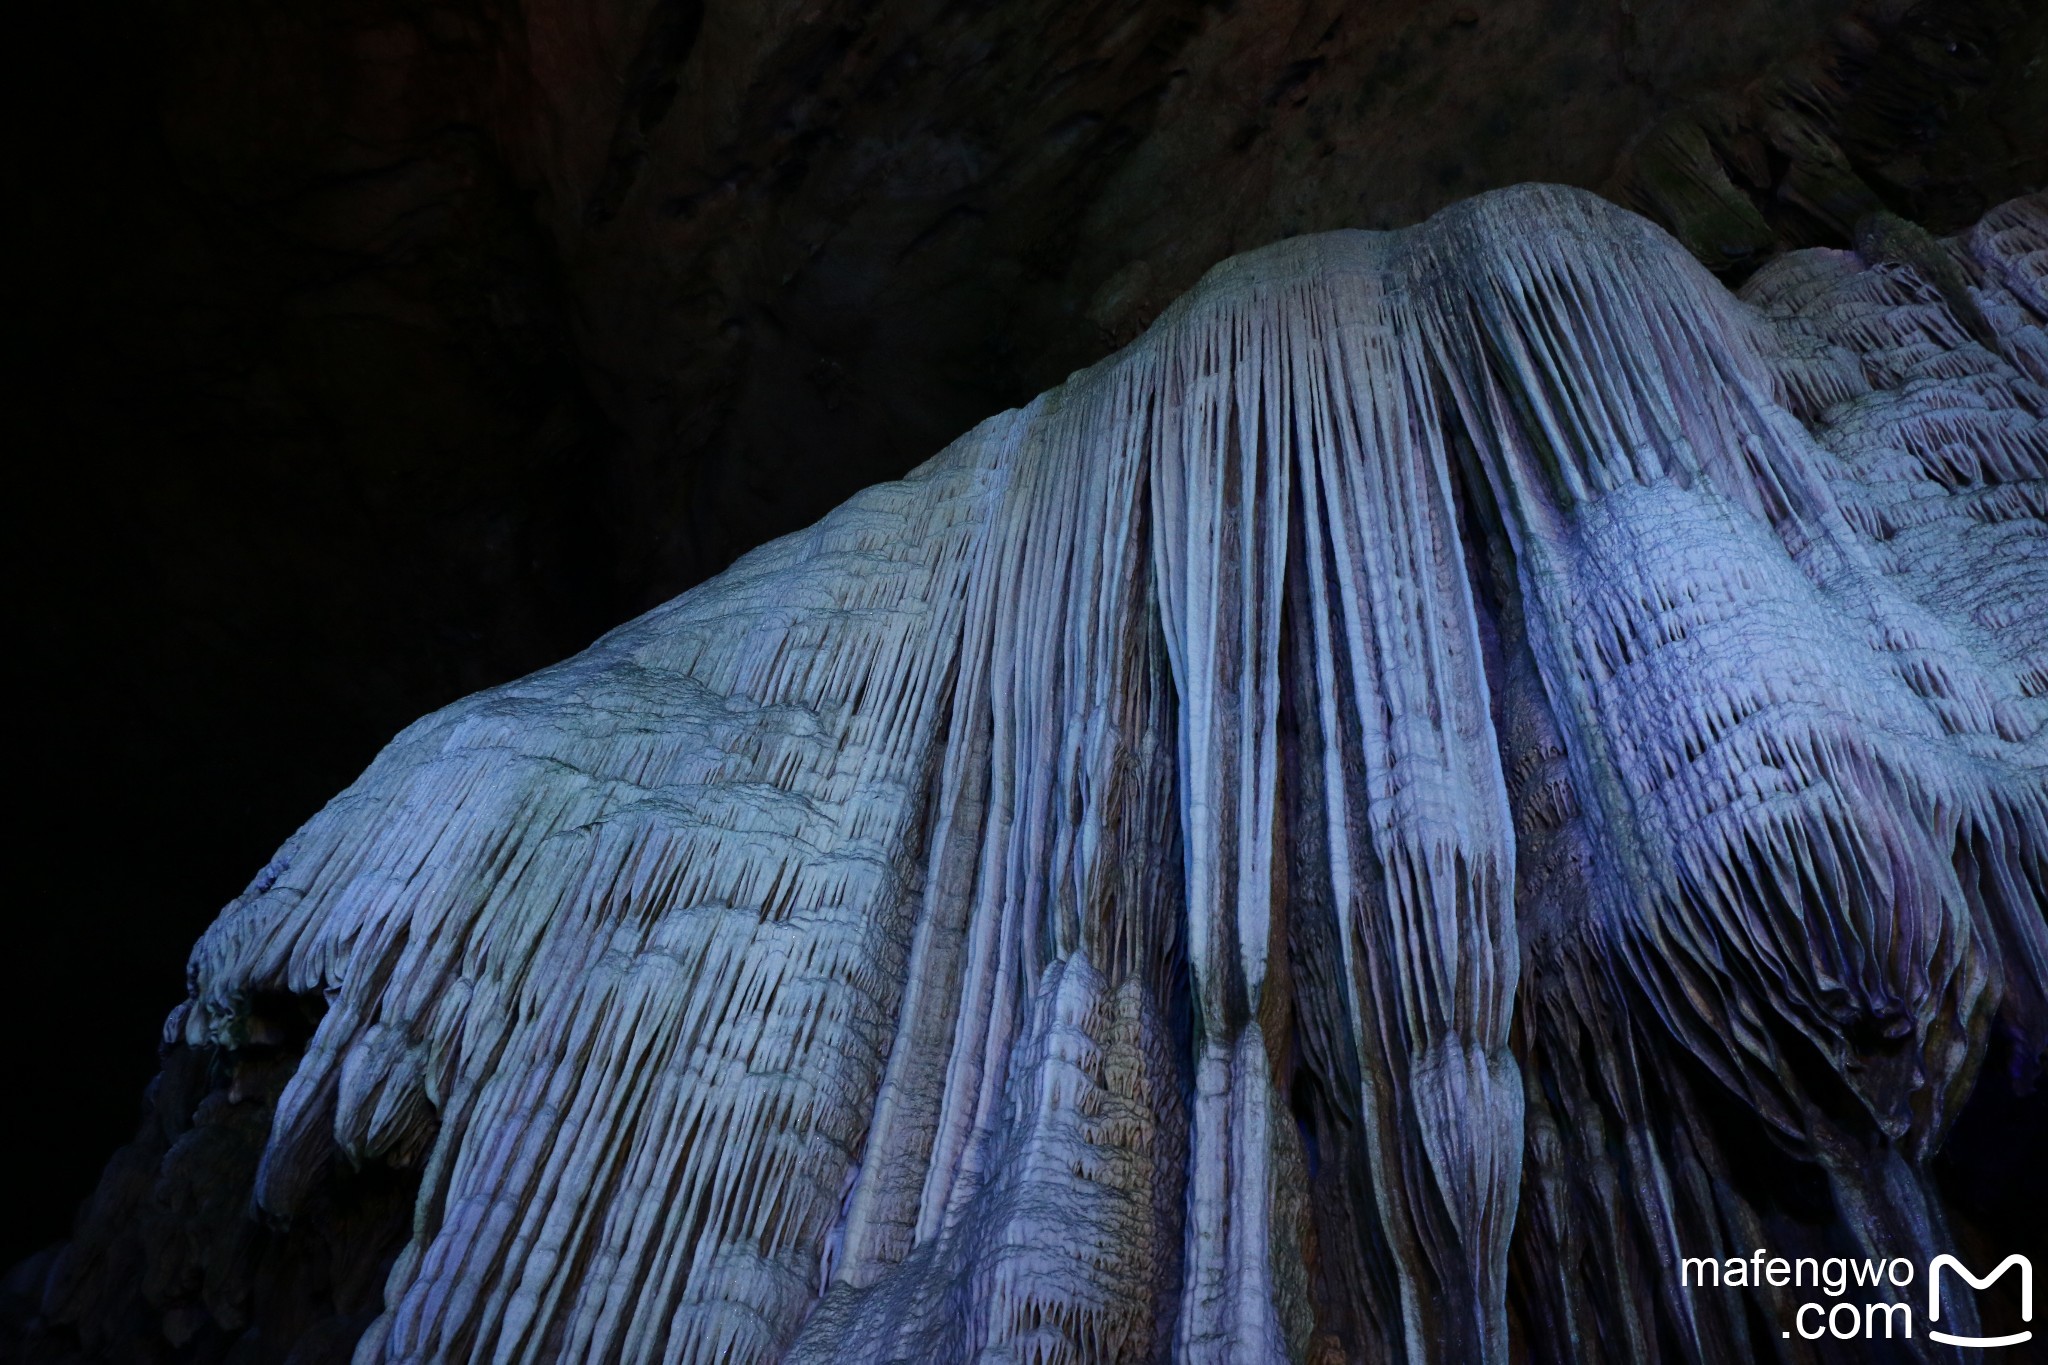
[1309,841]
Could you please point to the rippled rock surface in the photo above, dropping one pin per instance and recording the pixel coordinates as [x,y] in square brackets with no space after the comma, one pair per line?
[1339,833]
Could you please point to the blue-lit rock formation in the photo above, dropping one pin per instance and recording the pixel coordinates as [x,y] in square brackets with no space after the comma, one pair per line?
[1309,841]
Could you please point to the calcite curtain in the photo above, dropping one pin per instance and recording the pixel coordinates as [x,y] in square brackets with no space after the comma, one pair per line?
[1309,841]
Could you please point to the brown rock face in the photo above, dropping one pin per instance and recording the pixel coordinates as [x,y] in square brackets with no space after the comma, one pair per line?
[875,224]
[380,351]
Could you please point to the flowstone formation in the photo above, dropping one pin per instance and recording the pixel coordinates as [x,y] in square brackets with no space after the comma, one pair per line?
[1352,830]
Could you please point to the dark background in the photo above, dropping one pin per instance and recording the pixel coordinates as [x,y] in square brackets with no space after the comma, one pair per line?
[369,352]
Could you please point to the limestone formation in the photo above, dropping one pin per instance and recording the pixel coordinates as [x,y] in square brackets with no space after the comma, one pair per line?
[1336,834]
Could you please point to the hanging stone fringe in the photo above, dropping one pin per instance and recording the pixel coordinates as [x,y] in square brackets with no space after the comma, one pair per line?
[1292,846]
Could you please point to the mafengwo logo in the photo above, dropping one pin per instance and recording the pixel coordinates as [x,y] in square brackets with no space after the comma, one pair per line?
[2026,1269]
[1861,1317]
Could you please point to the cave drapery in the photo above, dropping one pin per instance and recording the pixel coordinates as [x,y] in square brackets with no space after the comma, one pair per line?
[1317,839]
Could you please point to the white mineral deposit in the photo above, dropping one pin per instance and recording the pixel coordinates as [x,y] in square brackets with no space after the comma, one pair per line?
[1242,859]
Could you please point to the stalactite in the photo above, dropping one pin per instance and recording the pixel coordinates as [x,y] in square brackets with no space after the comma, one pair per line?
[1351,830]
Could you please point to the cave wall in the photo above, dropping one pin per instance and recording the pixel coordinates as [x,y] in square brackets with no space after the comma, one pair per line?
[379,351]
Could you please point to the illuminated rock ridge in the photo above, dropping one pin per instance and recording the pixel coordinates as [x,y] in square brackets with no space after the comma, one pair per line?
[1315,839]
